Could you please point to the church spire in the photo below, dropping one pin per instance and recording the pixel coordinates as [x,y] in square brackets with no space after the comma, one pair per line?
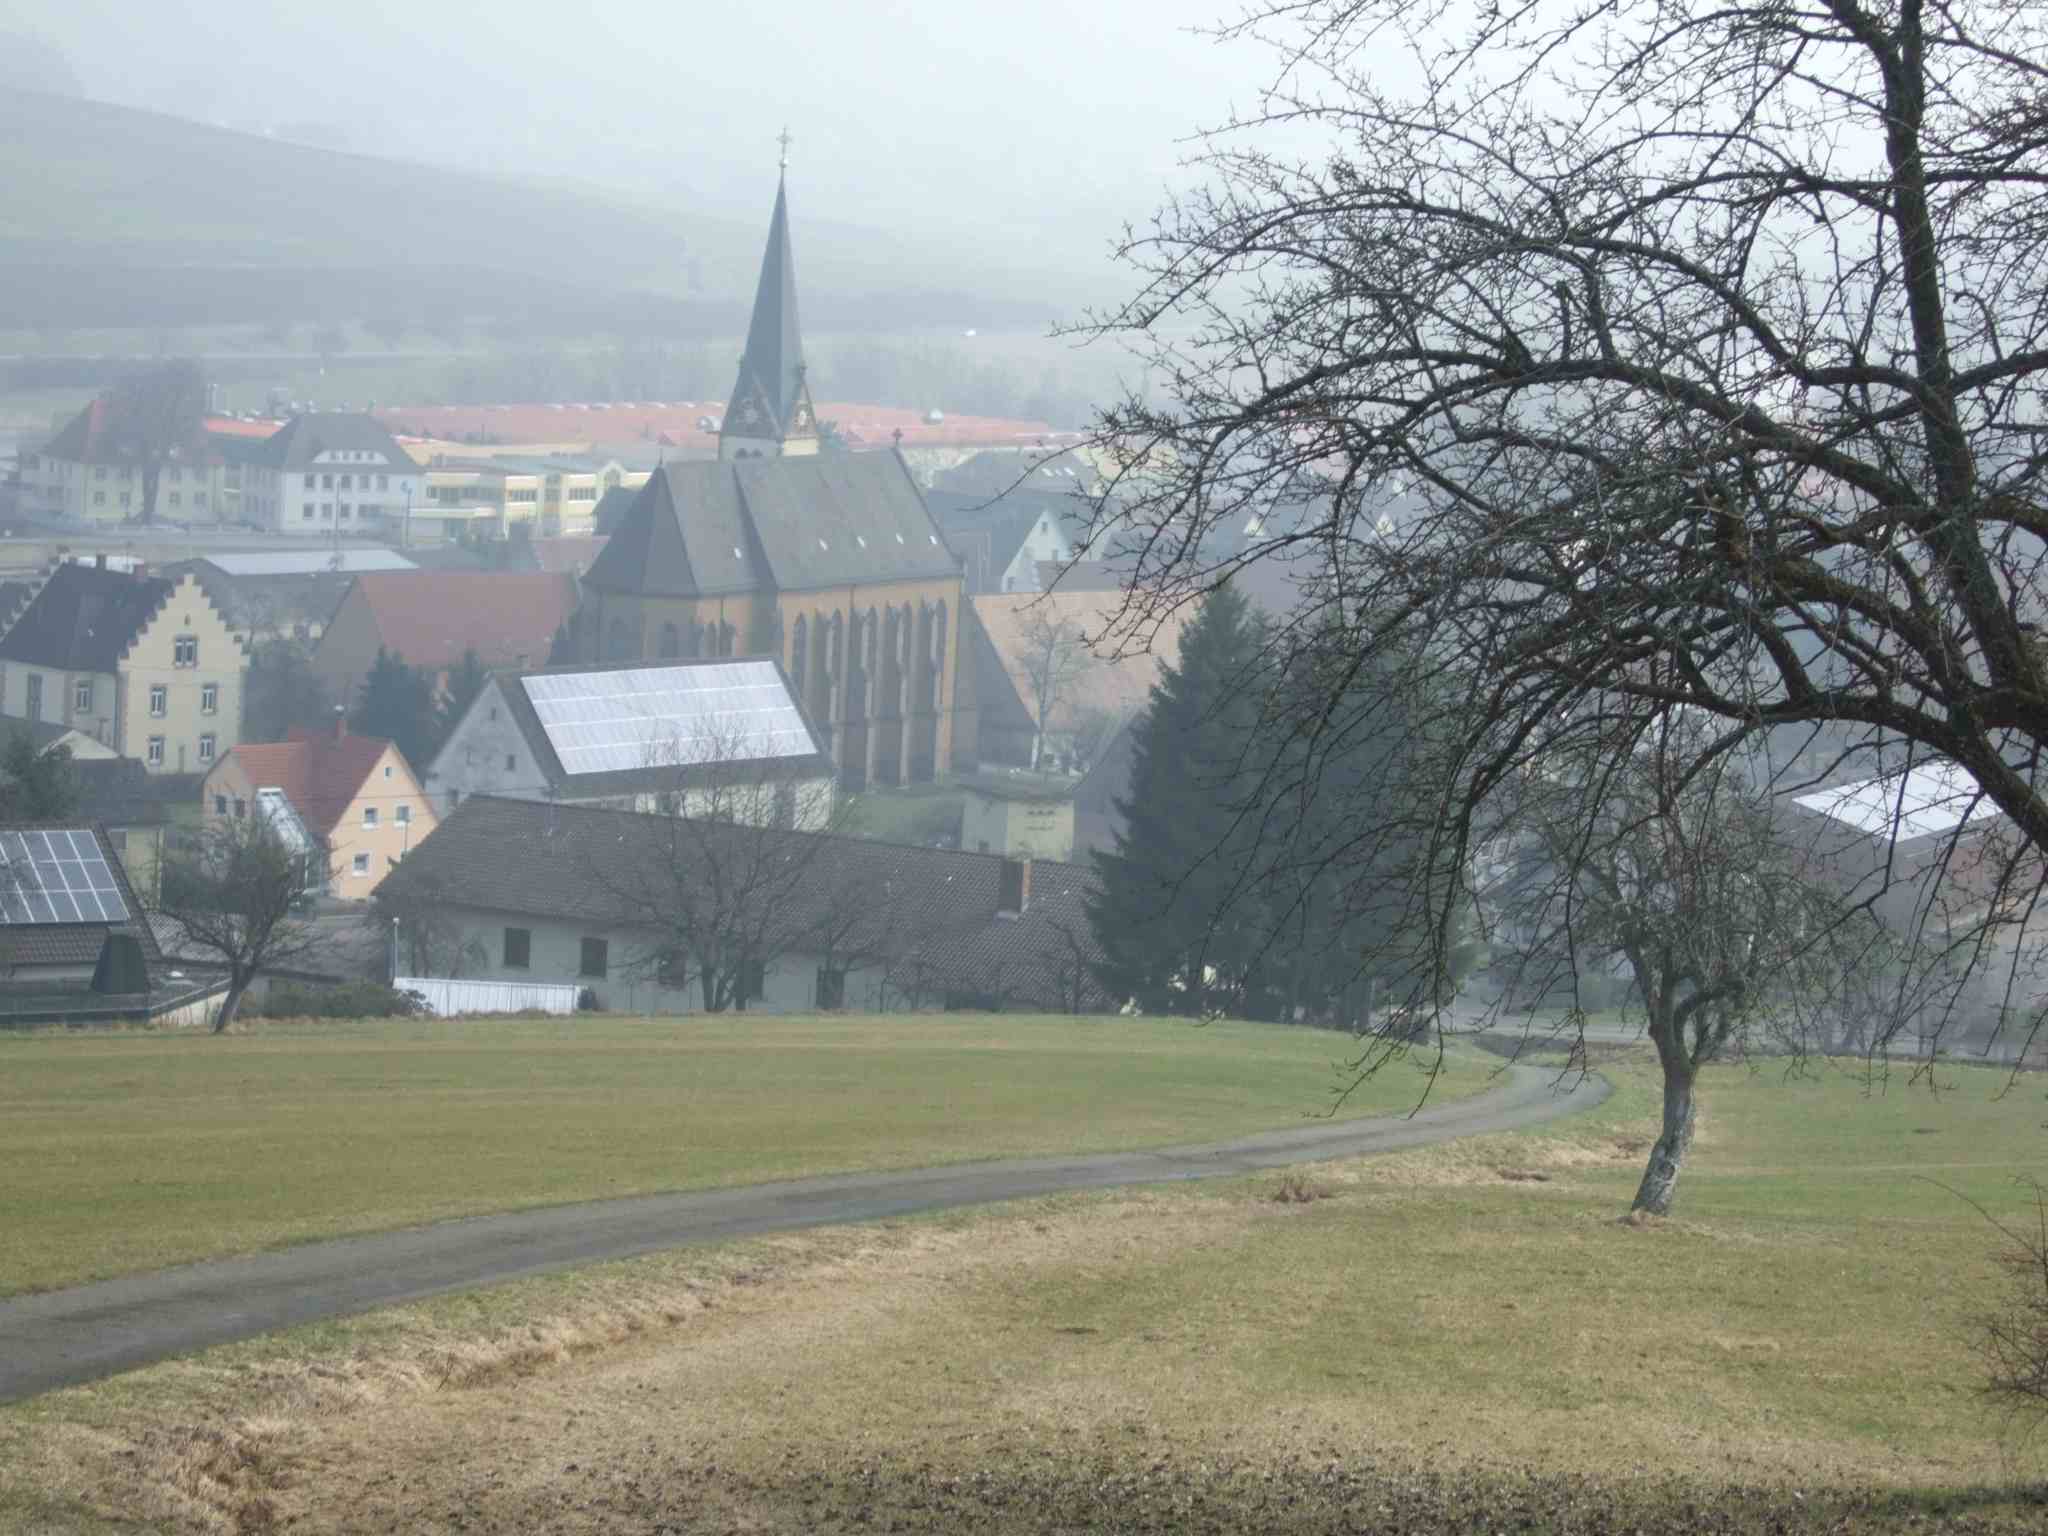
[769,413]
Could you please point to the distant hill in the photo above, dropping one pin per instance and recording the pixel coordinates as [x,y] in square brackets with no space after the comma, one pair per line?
[115,217]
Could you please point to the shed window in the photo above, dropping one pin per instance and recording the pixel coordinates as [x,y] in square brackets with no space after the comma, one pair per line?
[596,957]
[518,948]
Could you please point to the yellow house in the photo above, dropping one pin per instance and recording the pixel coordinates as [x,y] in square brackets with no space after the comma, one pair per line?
[148,667]
[354,798]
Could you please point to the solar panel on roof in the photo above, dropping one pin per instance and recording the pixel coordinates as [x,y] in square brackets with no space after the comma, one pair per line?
[57,875]
[678,716]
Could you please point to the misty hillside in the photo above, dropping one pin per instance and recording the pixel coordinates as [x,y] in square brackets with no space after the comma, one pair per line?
[115,217]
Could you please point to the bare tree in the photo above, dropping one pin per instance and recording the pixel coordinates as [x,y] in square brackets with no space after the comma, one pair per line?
[241,885]
[734,874]
[1684,879]
[156,419]
[1645,358]
[432,940]
[1055,657]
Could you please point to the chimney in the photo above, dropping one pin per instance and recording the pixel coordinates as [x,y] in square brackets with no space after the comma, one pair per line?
[340,722]
[99,562]
[1013,888]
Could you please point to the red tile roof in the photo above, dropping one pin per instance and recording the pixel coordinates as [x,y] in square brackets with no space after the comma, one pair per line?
[674,425]
[431,617]
[320,774]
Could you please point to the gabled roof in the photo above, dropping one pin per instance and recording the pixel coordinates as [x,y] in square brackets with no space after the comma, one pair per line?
[661,773]
[430,618]
[986,534]
[1116,686]
[96,436]
[84,619]
[74,943]
[298,444]
[118,792]
[929,913]
[769,399]
[320,773]
[701,529]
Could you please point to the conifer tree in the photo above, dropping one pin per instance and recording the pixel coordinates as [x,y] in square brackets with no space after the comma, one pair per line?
[1162,913]
[397,703]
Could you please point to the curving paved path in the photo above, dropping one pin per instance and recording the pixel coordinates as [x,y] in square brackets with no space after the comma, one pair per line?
[61,1338]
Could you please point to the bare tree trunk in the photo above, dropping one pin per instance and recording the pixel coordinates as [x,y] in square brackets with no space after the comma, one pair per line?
[1660,1178]
[230,1005]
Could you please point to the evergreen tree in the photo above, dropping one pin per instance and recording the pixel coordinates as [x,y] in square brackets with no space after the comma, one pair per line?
[397,703]
[1163,913]
[36,786]
[283,691]
[465,682]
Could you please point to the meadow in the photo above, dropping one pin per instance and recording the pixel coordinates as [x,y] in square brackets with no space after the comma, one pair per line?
[1463,1338]
[134,1151]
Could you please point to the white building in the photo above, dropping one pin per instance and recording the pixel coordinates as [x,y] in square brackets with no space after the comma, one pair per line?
[608,901]
[324,474]
[711,737]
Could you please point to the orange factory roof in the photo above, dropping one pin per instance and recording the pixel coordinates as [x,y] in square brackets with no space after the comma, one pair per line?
[673,424]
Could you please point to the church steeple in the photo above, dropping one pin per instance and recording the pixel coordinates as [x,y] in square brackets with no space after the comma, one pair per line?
[769,413]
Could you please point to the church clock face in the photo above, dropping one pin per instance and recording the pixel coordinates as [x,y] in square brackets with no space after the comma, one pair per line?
[802,419]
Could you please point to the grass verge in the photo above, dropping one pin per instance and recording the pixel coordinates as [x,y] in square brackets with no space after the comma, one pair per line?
[1454,1339]
[130,1152]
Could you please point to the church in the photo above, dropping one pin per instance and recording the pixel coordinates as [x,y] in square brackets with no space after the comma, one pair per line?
[828,560]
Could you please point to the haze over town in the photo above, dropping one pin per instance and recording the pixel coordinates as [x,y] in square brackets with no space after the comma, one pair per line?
[1085,768]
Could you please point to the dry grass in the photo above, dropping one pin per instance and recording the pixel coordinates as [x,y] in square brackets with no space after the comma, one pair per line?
[1445,1348]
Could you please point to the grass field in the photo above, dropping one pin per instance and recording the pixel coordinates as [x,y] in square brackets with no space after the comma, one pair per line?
[128,1152]
[1456,1339]
[1462,1338]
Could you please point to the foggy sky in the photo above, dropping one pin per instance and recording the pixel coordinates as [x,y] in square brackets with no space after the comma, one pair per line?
[1051,121]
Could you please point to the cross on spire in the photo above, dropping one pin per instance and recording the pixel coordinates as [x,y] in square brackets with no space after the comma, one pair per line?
[784,140]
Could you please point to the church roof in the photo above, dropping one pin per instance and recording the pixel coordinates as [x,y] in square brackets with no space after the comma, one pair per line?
[700,529]
[771,377]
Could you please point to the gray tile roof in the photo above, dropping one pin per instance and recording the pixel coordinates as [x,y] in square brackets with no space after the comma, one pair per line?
[932,910]
[83,619]
[701,529]
[298,444]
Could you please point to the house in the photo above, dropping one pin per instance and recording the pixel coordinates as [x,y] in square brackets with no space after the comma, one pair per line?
[351,800]
[291,593]
[539,892]
[75,947]
[432,618]
[704,737]
[1042,692]
[144,665]
[325,473]
[90,472]
[127,802]
[1018,814]
[829,562]
[1002,541]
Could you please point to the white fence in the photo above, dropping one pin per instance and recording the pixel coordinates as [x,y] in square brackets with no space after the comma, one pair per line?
[445,998]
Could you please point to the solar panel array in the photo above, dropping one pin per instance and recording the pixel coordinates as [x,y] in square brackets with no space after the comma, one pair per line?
[57,876]
[676,716]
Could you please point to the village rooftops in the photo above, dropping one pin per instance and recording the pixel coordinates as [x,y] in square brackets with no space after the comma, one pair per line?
[973,925]
[793,524]
[432,618]
[320,772]
[1927,801]
[616,729]
[84,619]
